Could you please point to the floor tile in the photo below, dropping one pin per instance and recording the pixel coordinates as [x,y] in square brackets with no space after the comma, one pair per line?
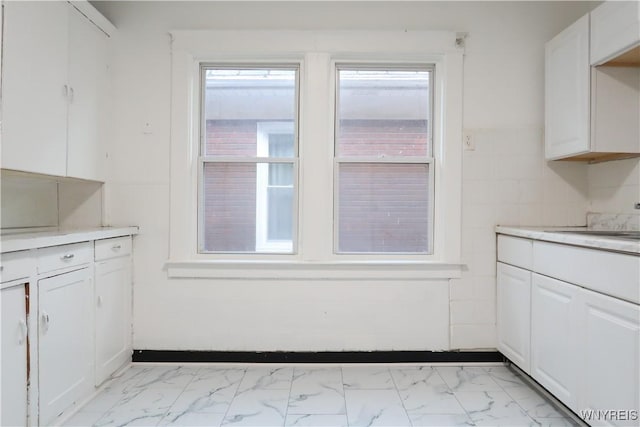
[192,419]
[375,408]
[131,418]
[316,420]
[83,419]
[505,377]
[487,406]
[322,395]
[534,403]
[317,391]
[267,378]
[407,377]
[167,377]
[367,378]
[467,379]
[147,400]
[423,391]
[258,408]
[317,401]
[211,391]
[440,420]
[556,422]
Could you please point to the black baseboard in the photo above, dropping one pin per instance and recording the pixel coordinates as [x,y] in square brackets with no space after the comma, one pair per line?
[316,357]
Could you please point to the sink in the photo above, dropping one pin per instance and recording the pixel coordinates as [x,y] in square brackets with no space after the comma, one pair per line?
[632,235]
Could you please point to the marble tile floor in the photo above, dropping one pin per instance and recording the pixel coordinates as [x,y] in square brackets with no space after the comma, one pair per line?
[318,395]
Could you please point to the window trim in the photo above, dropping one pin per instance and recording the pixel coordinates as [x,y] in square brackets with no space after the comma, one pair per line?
[314,51]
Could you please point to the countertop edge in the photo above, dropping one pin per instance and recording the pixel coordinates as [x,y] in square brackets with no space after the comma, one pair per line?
[547,234]
[26,241]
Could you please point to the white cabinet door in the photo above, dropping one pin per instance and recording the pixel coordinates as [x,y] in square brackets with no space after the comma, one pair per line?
[554,340]
[610,374]
[113,316]
[615,28]
[14,357]
[89,89]
[34,86]
[514,309]
[567,92]
[65,342]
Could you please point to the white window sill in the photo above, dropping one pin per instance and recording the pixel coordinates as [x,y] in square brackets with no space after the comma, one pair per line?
[295,270]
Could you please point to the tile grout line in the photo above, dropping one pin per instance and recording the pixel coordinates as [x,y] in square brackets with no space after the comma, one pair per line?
[286,411]
[179,394]
[395,386]
[235,394]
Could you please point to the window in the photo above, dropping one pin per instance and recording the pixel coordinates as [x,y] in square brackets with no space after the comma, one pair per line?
[248,158]
[383,159]
[316,154]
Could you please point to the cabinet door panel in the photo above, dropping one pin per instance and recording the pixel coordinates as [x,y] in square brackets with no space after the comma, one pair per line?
[14,357]
[34,103]
[554,344]
[65,342]
[611,355]
[113,323]
[567,92]
[514,304]
[89,82]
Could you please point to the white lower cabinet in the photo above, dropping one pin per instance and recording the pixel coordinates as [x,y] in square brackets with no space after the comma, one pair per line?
[610,368]
[64,342]
[113,316]
[14,356]
[582,345]
[554,340]
[514,308]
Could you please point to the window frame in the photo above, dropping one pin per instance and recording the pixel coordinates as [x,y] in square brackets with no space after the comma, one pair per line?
[426,160]
[262,246]
[315,52]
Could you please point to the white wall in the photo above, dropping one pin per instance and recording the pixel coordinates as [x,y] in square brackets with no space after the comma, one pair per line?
[505,181]
[614,187]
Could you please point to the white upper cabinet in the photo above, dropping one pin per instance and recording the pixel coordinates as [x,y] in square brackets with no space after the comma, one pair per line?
[88,99]
[55,83]
[567,92]
[34,86]
[591,113]
[615,33]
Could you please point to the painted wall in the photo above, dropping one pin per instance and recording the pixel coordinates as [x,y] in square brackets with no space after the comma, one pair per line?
[505,179]
[614,187]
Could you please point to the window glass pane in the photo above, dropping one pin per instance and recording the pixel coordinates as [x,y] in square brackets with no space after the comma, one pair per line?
[229,207]
[237,100]
[281,144]
[280,204]
[243,212]
[280,174]
[383,113]
[383,207]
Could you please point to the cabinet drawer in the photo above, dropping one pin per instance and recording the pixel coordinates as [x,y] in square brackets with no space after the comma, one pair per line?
[15,265]
[610,273]
[112,248]
[57,257]
[515,251]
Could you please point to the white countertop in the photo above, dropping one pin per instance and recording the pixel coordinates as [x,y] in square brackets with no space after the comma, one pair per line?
[23,240]
[550,234]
